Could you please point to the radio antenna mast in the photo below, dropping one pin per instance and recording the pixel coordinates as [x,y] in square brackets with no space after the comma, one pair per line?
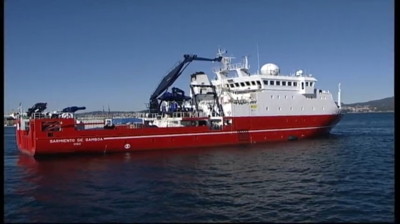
[258,61]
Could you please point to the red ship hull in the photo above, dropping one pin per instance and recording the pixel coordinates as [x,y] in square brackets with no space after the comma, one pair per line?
[244,130]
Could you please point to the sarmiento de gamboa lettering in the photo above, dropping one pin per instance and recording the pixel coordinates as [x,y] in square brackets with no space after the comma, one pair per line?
[73,140]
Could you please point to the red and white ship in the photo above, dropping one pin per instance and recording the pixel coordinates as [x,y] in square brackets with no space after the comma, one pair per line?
[230,109]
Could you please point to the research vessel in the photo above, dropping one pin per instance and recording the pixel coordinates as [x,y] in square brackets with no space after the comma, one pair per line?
[234,107]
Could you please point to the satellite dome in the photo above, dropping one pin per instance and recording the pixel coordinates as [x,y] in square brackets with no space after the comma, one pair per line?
[270,69]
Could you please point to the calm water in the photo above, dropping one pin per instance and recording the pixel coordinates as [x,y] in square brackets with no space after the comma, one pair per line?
[348,177]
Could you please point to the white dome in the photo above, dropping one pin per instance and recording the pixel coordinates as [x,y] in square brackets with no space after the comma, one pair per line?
[270,69]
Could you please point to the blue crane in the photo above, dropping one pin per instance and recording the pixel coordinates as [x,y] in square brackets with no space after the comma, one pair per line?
[172,76]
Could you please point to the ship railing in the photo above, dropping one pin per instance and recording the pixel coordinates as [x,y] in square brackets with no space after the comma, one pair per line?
[183,114]
[49,116]
[229,67]
[143,116]
[235,66]
[156,115]
[89,124]
[101,118]
[100,121]
[38,116]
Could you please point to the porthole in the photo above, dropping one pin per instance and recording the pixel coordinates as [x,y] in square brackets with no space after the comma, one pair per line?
[279,108]
[277,96]
[323,108]
[313,108]
[291,108]
[285,97]
[302,108]
[292,97]
[266,108]
[272,96]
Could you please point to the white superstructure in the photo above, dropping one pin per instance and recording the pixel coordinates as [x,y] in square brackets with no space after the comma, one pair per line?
[265,93]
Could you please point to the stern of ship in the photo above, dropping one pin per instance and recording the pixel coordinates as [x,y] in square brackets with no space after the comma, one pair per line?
[25,137]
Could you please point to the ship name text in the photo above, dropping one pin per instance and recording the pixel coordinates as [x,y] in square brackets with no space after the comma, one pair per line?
[73,140]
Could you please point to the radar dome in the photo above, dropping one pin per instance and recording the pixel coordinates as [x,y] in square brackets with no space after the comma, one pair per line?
[270,69]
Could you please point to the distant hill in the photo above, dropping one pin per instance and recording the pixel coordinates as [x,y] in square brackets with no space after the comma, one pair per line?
[385,104]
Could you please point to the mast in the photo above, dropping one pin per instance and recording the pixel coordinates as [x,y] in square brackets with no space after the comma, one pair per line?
[339,96]
[246,62]
[258,61]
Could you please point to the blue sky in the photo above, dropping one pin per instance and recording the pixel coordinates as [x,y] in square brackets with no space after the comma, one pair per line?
[96,53]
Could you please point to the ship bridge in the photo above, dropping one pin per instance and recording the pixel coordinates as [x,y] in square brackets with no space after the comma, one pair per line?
[268,79]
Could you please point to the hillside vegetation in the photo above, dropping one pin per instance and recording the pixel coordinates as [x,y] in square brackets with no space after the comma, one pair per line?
[385,104]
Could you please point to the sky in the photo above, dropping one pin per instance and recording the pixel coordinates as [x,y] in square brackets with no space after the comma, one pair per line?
[114,53]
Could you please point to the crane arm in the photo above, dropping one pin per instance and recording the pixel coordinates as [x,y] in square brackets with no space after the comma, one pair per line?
[174,74]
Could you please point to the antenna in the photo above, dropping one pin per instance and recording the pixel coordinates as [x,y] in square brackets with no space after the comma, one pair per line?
[258,61]
[221,52]
[20,108]
[246,62]
[339,96]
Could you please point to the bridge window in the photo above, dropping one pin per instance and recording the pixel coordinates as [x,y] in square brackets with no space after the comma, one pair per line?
[306,83]
[294,83]
[289,83]
[266,82]
[237,84]
[302,85]
[253,83]
[271,83]
[232,85]
[242,84]
[247,83]
[278,83]
[258,83]
[227,85]
[283,83]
